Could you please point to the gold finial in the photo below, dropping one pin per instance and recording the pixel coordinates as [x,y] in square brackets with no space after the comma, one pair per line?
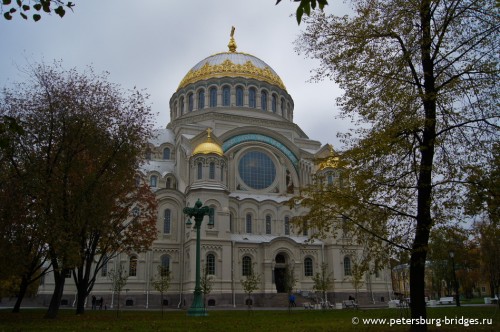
[232,44]
[209,131]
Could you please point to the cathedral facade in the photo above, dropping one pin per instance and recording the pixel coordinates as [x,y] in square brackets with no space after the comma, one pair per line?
[232,144]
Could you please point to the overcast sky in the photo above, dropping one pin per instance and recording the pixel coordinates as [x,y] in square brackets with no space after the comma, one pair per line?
[152,44]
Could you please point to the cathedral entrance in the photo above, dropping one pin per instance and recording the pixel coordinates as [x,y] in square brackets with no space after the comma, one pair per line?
[280,272]
[279,278]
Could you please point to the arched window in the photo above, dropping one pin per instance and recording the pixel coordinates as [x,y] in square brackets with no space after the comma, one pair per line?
[210,266]
[231,218]
[221,173]
[213,97]
[347,266]
[248,223]
[263,100]
[252,93]
[211,173]
[148,154]
[190,102]
[165,265]
[200,171]
[246,266]
[132,266]
[274,103]
[330,178]
[153,181]
[168,183]
[211,217]
[239,96]
[226,96]
[287,225]
[201,99]
[166,221]
[268,224]
[283,111]
[182,105]
[308,267]
[166,153]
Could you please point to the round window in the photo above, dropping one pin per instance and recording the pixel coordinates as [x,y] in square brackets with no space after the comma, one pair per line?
[257,170]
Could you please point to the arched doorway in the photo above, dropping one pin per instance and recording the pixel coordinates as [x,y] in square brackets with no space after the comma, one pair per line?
[280,272]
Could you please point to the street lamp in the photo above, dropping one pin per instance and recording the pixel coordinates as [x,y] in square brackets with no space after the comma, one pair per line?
[457,296]
[198,212]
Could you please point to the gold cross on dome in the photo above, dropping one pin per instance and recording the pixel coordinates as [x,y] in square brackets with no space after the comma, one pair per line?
[209,131]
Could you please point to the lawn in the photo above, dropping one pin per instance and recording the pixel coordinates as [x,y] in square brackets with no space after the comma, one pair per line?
[243,320]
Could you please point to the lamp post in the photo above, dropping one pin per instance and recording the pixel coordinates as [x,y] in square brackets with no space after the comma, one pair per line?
[455,283]
[198,212]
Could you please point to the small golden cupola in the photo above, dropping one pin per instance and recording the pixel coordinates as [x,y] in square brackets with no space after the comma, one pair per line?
[332,161]
[209,146]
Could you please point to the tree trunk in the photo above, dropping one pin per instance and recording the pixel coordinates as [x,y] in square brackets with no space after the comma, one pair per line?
[55,301]
[22,292]
[80,300]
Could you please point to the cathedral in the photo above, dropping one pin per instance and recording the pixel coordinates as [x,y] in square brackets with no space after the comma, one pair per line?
[232,144]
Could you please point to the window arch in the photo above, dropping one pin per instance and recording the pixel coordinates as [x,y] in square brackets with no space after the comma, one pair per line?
[263,100]
[168,183]
[268,224]
[274,103]
[239,96]
[246,266]
[211,173]
[165,265]
[226,96]
[252,93]
[201,99]
[213,97]
[153,181]
[248,224]
[182,105]
[210,264]
[166,153]
[132,266]
[283,111]
[167,214]
[347,266]
[287,225]
[190,102]
[200,170]
[308,267]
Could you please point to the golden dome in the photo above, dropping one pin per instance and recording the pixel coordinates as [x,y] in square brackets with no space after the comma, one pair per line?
[208,146]
[231,64]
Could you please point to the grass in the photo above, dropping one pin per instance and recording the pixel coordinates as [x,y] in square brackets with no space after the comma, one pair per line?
[241,320]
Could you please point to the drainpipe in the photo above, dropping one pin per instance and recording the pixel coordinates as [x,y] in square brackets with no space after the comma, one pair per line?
[148,275]
[232,274]
[181,270]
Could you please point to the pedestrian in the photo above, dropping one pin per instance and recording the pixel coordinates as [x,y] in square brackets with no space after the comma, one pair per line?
[291,301]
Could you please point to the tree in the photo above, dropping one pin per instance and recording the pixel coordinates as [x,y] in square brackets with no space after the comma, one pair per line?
[118,280]
[290,280]
[305,7]
[24,7]
[82,145]
[420,81]
[323,281]
[250,284]
[161,282]
[206,284]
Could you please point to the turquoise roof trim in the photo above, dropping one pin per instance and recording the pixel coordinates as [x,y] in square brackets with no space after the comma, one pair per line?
[238,139]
